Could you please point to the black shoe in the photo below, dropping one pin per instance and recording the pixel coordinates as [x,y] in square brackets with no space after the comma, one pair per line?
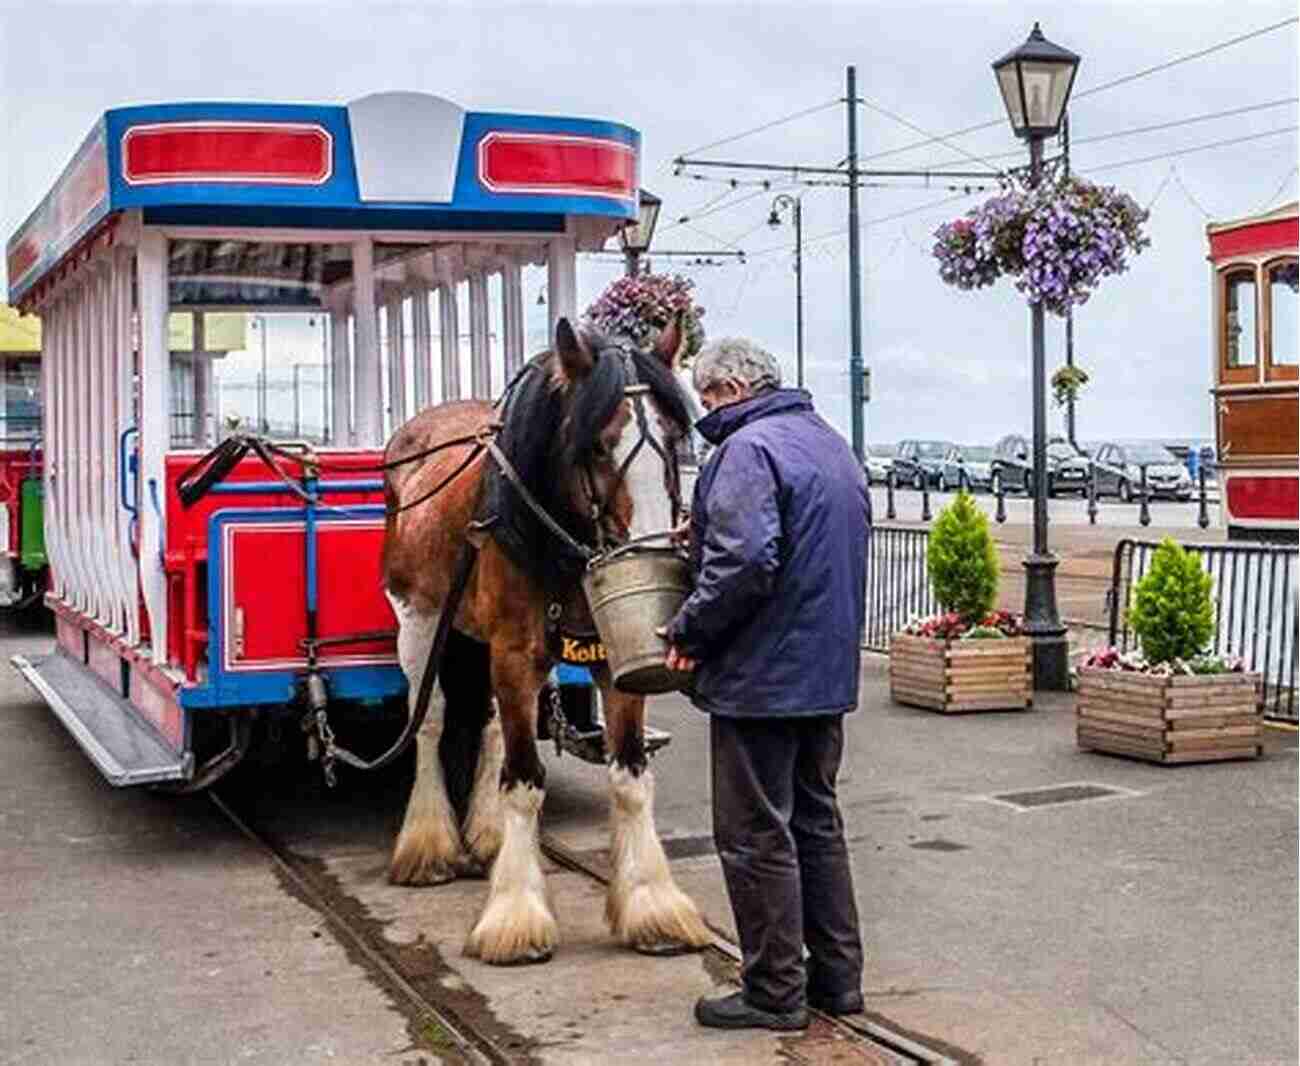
[844,1003]
[732,1012]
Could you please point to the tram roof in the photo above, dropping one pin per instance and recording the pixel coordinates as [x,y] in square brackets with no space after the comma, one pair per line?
[1270,231]
[390,161]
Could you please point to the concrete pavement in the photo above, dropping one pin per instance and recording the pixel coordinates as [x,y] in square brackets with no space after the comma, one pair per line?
[1154,926]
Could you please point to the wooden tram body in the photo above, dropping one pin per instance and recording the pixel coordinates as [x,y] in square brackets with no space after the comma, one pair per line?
[402,222]
[1254,359]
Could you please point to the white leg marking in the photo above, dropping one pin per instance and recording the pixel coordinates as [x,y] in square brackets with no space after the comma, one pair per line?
[517,924]
[483,823]
[429,848]
[644,908]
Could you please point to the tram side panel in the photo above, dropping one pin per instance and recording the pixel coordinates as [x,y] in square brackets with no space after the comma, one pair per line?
[251,566]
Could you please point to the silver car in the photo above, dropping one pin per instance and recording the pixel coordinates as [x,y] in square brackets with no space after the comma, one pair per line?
[878,462]
[1119,472]
[966,466]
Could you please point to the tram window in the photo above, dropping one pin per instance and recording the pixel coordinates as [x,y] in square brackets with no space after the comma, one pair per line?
[265,353]
[435,344]
[464,355]
[1239,340]
[496,333]
[1283,282]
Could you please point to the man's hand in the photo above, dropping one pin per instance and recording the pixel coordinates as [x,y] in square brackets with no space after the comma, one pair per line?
[675,660]
[681,533]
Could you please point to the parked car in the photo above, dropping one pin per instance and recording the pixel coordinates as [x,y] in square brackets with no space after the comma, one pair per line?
[1067,468]
[877,463]
[1119,472]
[1010,469]
[918,461]
[965,466]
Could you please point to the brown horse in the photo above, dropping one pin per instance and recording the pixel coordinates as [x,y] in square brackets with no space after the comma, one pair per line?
[600,458]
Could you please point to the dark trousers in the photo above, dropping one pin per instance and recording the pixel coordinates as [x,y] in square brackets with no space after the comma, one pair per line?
[780,836]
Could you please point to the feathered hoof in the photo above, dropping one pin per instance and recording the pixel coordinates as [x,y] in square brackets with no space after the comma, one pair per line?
[514,930]
[415,866]
[656,920]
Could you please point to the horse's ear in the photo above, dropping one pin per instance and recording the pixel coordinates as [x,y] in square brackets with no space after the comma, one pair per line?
[575,357]
[669,345]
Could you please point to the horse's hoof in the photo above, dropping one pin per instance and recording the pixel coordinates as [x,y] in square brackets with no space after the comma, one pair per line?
[415,871]
[423,878]
[531,957]
[667,948]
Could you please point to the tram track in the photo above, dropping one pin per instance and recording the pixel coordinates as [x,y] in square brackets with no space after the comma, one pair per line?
[440,1030]
[471,1046]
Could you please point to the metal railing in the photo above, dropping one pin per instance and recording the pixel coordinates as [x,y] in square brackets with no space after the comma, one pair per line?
[898,583]
[1255,614]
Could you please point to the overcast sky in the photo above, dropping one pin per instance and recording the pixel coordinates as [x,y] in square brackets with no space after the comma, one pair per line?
[945,363]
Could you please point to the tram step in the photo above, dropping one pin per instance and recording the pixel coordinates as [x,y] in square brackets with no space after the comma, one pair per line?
[123,748]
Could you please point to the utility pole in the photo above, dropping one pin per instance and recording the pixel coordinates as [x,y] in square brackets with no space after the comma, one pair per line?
[849,175]
[858,408]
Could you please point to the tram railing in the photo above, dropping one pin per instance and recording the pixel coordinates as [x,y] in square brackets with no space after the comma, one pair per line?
[898,583]
[1255,593]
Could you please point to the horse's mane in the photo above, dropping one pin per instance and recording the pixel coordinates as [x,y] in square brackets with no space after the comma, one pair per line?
[549,428]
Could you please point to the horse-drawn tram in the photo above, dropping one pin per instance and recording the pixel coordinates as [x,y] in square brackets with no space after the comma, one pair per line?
[199,588]
[1254,281]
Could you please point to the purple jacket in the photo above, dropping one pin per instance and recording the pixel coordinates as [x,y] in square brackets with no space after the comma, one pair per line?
[779,530]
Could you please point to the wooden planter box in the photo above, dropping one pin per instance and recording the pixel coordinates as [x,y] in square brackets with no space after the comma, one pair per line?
[961,675]
[1170,719]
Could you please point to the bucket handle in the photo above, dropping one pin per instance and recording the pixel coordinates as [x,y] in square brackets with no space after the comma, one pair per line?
[631,545]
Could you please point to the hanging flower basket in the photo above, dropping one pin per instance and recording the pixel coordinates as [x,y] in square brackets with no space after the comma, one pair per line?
[1067,383]
[1057,241]
[639,307]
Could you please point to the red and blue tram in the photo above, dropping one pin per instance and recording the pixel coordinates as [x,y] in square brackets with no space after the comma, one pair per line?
[387,239]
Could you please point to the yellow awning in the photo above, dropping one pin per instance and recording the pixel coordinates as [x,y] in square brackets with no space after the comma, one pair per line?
[19,334]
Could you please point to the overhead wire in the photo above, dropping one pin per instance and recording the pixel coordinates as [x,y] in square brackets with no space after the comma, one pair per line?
[1187,151]
[1295,169]
[1156,127]
[765,126]
[862,225]
[1176,61]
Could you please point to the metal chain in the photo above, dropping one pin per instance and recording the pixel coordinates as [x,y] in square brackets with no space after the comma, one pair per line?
[558,722]
[327,741]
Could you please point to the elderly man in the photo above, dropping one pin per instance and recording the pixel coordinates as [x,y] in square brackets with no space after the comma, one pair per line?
[779,530]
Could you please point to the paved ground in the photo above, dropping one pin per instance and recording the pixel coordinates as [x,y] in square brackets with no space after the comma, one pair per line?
[1064,511]
[1158,926]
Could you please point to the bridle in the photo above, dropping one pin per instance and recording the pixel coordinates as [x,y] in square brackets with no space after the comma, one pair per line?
[635,390]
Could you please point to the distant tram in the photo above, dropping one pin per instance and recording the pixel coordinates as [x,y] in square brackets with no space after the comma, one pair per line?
[22,533]
[1253,276]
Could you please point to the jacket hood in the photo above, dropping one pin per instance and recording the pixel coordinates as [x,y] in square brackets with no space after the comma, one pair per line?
[717,426]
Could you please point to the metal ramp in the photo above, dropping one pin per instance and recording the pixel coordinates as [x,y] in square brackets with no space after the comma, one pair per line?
[125,749]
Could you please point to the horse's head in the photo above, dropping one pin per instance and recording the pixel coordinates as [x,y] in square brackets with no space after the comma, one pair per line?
[625,425]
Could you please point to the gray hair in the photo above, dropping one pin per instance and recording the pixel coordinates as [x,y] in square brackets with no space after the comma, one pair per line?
[739,360]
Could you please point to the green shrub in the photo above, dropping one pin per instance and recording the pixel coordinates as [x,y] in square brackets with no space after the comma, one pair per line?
[963,562]
[1172,611]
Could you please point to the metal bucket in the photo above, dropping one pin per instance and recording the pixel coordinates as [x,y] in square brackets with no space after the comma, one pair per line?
[632,592]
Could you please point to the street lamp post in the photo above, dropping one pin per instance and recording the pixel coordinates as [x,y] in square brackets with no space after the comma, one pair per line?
[1035,80]
[795,203]
[635,237]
